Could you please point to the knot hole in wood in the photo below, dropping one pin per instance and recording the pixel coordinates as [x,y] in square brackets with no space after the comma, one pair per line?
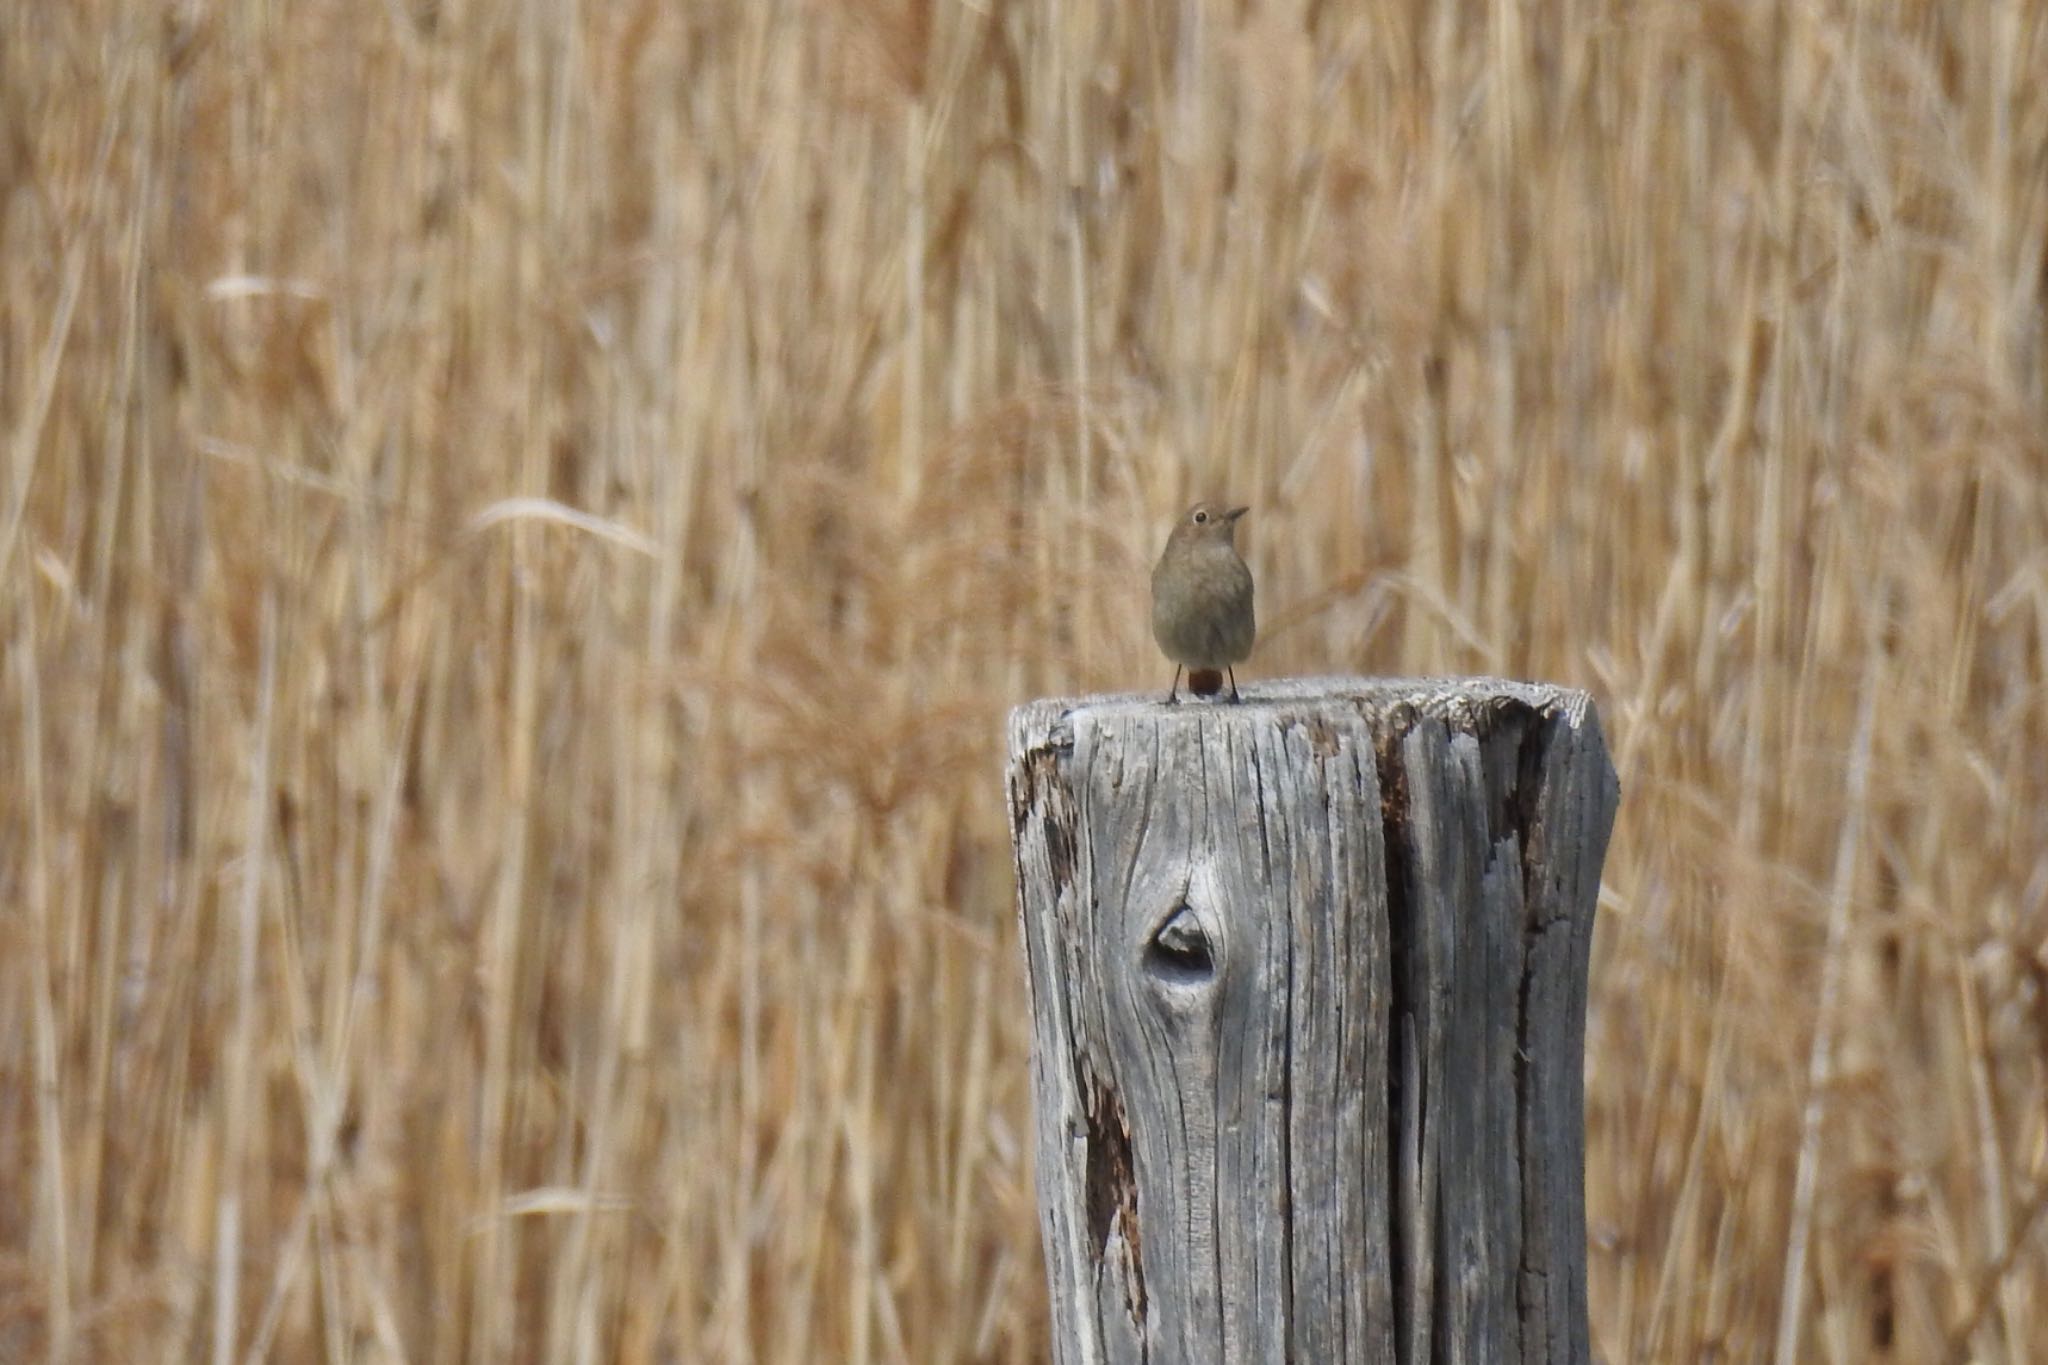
[1180,953]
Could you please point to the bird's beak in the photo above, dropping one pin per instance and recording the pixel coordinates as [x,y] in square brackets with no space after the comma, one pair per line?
[1234,513]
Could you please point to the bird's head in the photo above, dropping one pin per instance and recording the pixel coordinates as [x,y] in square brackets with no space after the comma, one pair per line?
[1208,522]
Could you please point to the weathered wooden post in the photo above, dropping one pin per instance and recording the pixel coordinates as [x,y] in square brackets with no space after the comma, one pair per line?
[1308,978]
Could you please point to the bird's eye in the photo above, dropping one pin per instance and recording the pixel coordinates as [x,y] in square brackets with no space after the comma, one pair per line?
[1201,518]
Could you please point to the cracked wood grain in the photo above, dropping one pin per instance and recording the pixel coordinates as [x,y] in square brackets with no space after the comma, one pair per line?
[1308,995]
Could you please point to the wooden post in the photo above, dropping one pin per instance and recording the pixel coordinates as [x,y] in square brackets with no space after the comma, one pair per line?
[1308,986]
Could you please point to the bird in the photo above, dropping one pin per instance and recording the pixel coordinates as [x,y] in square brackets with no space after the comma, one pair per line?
[1202,600]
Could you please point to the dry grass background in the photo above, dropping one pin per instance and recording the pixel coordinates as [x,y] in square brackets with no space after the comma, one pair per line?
[520,525]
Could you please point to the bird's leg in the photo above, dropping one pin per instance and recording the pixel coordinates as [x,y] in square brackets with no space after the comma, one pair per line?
[1173,693]
[1233,682]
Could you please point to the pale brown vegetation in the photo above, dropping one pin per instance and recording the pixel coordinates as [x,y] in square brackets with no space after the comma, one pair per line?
[520,525]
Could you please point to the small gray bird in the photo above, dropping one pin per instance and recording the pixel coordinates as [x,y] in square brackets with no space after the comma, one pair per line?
[1202,600]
